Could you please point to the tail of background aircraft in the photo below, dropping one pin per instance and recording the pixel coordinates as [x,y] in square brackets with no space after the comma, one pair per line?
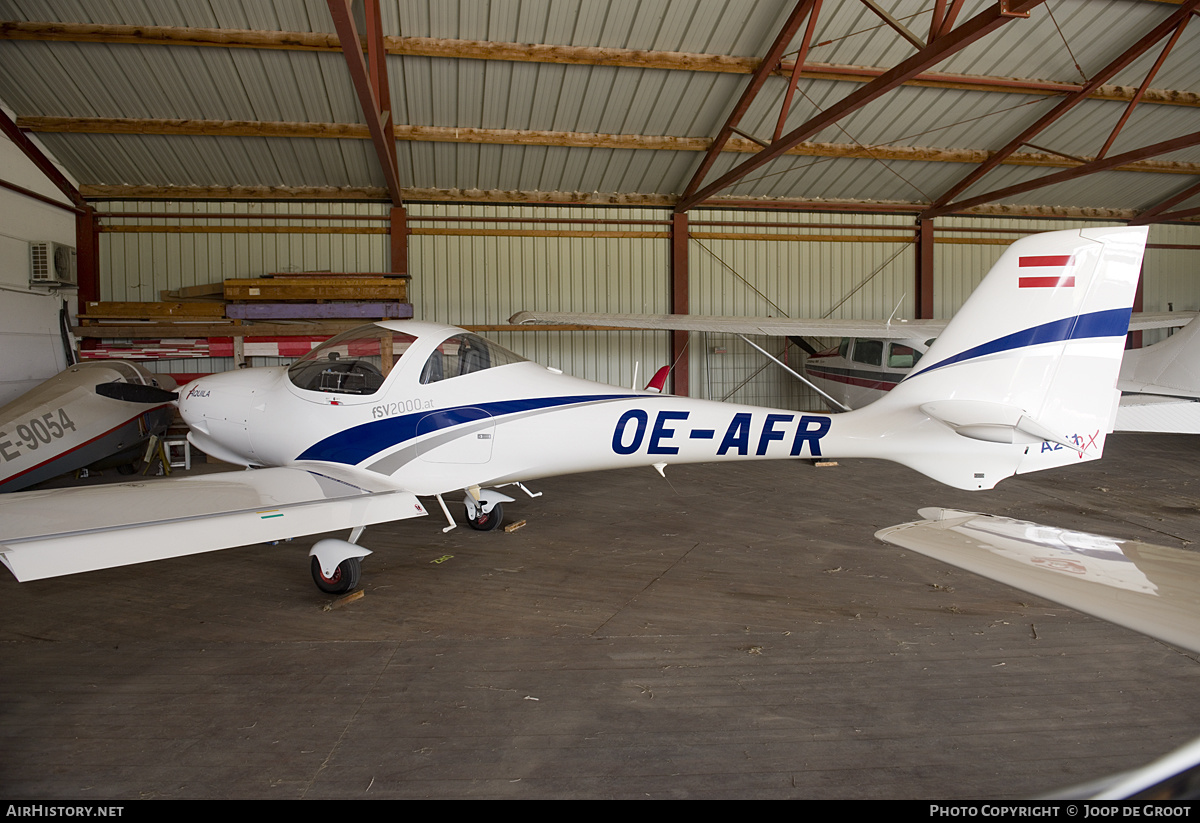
[1030,360]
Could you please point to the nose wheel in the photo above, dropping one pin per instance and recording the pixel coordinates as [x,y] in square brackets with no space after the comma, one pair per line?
[345,577]
[488,522]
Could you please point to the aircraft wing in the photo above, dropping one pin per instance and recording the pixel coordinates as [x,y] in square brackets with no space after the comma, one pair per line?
[1143,320]
[1147,588]
[784,326]
[772,326]
[64,531]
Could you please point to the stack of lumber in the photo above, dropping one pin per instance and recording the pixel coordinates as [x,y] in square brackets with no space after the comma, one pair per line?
[98,312]
[286,315]
[318,296]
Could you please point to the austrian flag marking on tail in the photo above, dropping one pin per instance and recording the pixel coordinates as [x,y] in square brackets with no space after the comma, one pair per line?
[1047,261]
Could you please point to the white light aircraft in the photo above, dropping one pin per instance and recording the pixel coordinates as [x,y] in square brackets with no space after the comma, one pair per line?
[351,434]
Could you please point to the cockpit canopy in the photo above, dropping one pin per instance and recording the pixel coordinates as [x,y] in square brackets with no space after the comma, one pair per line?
[464,354]
[358,361]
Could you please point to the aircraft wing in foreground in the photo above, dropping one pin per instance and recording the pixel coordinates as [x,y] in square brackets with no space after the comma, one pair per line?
[1021,380]
[1151,589]
[64,531]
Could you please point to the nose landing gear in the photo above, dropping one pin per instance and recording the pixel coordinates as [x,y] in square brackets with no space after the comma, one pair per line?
[337,564]
[345,577]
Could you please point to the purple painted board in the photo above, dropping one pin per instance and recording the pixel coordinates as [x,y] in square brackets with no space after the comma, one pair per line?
[278,311]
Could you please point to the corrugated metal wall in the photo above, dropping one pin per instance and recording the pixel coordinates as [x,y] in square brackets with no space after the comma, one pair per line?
[467,268]
[478,264]
[484,272]
[962,257]
[1172,275]
[788,265]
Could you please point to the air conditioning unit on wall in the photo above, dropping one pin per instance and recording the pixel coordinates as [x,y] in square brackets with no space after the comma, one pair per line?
[52,264]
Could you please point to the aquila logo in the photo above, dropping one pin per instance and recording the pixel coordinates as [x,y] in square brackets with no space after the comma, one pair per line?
[195,392]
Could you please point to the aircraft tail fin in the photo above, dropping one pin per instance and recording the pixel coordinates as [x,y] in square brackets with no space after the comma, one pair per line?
[1027,369]
[659,381]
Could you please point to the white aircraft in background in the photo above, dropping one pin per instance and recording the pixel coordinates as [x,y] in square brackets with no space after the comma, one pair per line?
[66,423]
[351,434]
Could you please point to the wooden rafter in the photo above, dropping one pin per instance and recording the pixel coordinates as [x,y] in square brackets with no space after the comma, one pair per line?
[376,107]
[901,29]
[773,56]
[1105,164]
[563,55]
[565,139]
[1123,60]
[982,24]
[377,194]
[1150,75]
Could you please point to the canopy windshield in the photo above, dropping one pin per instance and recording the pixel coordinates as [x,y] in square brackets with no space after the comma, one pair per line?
[354,362]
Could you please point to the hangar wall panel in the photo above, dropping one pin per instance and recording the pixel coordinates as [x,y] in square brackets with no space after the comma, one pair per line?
[478,264]
[30,337]
[1172,274]
[787,264]
[466,268]
[962,258]
[476,279]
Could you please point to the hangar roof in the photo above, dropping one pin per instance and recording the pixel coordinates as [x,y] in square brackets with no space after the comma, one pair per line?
[894,104]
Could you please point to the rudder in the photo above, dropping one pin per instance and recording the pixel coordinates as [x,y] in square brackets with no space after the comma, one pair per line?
[1032,357]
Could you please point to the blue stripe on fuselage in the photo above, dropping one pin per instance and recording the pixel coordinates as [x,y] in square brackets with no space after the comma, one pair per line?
[1108,323]
[356,444]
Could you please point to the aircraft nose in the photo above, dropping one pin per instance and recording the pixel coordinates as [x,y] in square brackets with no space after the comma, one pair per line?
[216,408]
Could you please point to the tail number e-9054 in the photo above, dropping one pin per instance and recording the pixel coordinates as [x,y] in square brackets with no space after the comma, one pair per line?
[742,431]
[38,431]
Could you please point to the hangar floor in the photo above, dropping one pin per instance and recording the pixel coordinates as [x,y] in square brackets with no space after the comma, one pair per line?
[732,631]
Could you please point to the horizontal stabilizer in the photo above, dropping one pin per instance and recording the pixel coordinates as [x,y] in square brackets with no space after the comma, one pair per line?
[993,422]
[100,527]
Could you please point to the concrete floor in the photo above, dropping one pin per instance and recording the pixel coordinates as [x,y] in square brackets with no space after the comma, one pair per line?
[732,631]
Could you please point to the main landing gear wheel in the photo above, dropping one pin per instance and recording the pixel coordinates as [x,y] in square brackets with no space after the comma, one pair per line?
[488,522]
[345,576]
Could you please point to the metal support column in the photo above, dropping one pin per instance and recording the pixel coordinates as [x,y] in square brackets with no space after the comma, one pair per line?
[679,301]
[87,255]
[399,238]
[924,284]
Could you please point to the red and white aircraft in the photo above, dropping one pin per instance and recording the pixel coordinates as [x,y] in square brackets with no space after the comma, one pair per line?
[353,433]
[66,423]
